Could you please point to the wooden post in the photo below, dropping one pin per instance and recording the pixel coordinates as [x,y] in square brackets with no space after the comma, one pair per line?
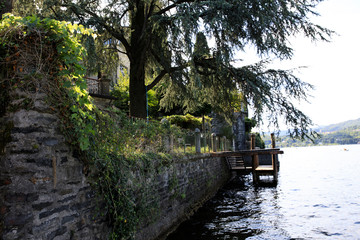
[273,158]
[273,140]
[255,160]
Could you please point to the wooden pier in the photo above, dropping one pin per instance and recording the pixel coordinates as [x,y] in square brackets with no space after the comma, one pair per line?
[236,162]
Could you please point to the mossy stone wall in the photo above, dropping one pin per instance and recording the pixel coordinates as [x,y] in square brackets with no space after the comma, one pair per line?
[45,193]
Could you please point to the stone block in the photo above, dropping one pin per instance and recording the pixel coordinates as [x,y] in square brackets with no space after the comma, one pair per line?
[53,211]
[41,206]
[67,199]
[58,232]
[18,220]
[70,218]
[33,119]
[45,226]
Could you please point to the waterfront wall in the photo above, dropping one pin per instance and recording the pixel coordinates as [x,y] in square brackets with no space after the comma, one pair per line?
[197,178]
[45,193]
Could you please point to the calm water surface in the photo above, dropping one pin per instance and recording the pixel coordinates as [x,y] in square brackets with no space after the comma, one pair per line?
[317,197]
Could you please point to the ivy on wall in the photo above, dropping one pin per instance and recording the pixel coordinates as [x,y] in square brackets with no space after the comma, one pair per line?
[44,56]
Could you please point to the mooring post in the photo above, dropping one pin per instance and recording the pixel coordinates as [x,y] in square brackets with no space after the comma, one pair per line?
[273,140]
[255,160]
[273,157]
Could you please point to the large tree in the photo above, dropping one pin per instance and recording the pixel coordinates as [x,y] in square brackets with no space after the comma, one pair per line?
[5,6]
[164,32]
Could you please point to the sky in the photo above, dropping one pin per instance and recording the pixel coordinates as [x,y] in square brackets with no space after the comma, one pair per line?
[332,67]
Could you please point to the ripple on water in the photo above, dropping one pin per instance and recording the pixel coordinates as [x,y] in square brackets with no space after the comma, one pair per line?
[320,206]
[326,233]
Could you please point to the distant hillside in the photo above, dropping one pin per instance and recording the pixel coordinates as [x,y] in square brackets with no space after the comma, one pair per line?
[347,132]
[340,126]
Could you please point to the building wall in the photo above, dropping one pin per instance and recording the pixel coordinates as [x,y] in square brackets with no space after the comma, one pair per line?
[239,131]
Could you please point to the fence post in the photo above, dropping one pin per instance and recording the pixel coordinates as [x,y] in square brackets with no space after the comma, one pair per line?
[224,143]
[197,141]
[213,142]
[204,141]
[166,139]
[171,143]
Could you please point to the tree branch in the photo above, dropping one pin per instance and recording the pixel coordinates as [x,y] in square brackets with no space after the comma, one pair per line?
[156,80]
[113,48]
[118,35]
[151,9]
[163,73]
[168,8]
[122,15]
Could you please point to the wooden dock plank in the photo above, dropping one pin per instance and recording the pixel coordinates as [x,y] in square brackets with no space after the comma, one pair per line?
[264,168]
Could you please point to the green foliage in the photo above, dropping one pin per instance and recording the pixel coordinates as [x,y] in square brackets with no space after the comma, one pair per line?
[121,92]
[259,142]
[186,121]
[64,70]
[249,124]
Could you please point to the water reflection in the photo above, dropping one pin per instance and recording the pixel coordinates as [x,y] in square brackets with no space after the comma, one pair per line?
[238,211]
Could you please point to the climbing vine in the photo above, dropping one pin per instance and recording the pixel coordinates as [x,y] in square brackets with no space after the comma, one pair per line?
[40,56]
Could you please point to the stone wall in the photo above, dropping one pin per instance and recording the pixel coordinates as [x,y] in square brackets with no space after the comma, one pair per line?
[44,191]
[45,194]
[196,180]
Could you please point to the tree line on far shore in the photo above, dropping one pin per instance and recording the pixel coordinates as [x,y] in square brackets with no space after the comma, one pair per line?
[336,134]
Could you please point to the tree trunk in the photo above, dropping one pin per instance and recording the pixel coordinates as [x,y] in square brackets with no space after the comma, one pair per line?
[138,45]
[137,89]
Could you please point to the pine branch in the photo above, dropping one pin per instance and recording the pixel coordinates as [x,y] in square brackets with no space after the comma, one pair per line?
[168,8]
[163,73]
[118,35]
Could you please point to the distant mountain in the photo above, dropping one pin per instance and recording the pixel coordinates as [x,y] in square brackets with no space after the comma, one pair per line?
[347,132]
[340,126]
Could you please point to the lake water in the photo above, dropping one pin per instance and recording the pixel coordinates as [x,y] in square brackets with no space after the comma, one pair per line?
[317,197]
